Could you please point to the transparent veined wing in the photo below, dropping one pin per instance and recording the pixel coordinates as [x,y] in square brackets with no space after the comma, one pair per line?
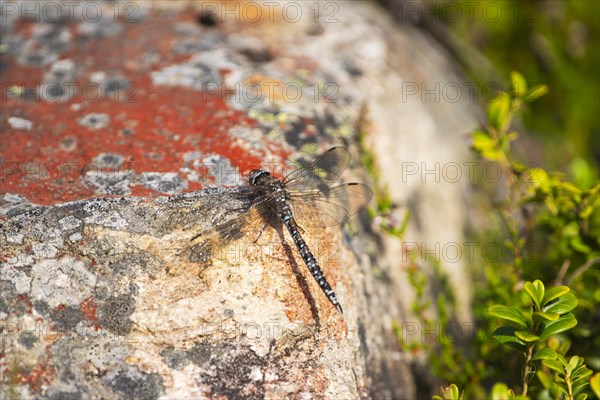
[203,211]
[321,173]
[330,206]
[214,222]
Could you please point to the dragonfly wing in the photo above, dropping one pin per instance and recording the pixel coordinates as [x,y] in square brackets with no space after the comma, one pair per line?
[197,210]
[321,173]
[330,206]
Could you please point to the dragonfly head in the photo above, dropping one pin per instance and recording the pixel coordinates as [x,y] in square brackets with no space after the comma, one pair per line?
[256,175]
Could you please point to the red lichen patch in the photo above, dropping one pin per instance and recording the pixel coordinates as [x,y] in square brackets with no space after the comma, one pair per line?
[37,167]
[89,309]
[150,126]
[40,374]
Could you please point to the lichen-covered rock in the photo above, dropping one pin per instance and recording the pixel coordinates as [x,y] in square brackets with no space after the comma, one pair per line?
[116,292]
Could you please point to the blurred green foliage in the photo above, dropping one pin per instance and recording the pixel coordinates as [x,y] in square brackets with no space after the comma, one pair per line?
[546,207]
[555,42]
[552,236]
[545,285]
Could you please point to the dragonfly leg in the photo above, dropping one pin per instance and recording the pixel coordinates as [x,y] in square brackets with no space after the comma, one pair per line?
[196,237]
[261,232]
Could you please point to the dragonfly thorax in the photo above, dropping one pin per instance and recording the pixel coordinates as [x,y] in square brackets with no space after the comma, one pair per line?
[259,177]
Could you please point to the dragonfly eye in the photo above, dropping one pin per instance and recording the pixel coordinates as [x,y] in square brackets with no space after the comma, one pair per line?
[257,174]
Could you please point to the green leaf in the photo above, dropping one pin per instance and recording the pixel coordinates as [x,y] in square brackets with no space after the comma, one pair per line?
[482,140]
[545,316]
[519,84]
[554,293]
[563,305]
[508,313]
[562,324]
[505,140]
[573,362]
[527,336]
[512,136]
[449,393]
[498,112]
[544,354]
[577,391]
[582,396]
[554,365]
[561,359]
[536,292]
[544,378]
[485,145]
[501,392]
[581,373]
[578,244]
[595,384]
[571,229]
[562,388]
[535,93]
[579,386]
[506,335]
[518,166]
[587,211]
[539,178]
[569,187]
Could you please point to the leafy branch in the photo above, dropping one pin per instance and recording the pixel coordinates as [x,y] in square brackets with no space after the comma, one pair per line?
[539,209]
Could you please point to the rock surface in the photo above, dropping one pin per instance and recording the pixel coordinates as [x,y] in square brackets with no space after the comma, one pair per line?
[108,297]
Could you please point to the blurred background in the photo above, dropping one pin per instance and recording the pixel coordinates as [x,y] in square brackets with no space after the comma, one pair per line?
[550,42]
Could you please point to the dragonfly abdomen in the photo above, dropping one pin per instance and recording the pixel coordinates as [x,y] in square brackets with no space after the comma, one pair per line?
[309,259]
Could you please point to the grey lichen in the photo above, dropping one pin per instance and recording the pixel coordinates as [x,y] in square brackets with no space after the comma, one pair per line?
[115,312]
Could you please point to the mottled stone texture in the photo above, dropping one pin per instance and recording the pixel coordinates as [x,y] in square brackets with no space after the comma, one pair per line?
[108,297]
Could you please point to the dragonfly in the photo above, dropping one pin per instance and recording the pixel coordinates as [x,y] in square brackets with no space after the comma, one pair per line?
[308,197]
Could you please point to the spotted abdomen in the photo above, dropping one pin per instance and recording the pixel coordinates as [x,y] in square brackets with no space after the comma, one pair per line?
[309,259]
